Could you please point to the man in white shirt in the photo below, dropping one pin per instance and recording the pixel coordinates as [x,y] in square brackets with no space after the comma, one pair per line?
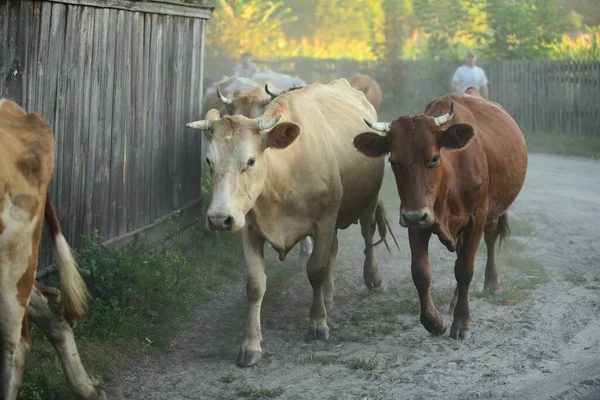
[246,68]
[470,75]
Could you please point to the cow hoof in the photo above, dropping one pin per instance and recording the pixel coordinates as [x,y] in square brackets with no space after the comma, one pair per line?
[318,333]
[433,322]
[460,334]
[374,285]
[489,289]
[247,358]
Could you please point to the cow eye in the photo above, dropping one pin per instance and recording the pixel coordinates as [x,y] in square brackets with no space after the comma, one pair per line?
[251,162]
[435,160]
[209,163]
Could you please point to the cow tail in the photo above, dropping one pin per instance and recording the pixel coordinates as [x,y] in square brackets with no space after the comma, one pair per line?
[503,228]
[382,220]
[73,288]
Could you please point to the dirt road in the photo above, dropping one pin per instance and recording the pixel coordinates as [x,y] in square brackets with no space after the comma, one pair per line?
[543,347]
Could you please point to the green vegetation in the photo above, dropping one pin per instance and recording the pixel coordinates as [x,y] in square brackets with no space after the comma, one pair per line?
[565,144]
[576,278]
[352,363]
[260,393]
[406,29]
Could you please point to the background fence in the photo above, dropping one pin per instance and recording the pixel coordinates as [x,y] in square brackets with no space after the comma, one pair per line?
[542,96]
[117,81]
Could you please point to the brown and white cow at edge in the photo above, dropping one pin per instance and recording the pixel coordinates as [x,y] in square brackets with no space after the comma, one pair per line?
[26,166]
[458,168]
[292,173]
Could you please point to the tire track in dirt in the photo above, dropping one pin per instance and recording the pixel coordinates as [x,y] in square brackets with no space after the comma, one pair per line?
[546,347]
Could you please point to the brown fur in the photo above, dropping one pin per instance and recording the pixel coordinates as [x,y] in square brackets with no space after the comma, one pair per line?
[481,169]
[369,87]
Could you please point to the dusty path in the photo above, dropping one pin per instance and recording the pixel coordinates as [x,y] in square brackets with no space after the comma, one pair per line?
[544,347]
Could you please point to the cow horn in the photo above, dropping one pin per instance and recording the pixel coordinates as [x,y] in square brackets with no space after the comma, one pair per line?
[203,124]
[223,99]
[385,127]
[442,119]
[262,124]
[272,93]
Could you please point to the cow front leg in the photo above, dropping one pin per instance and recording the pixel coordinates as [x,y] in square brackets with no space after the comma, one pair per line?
[44,311]
[463,271]
[317,270]
[306,248]
[371,275]
[256,284]
[420,270]
[329,285]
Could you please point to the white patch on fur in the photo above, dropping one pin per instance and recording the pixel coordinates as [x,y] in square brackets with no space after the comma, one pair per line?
[2,101]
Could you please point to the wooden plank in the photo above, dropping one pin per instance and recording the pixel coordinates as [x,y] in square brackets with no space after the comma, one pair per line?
[108,81]
[177,123]
[117,133]
[166,144]
[134,184]
[68,153]
[11,75]
[95,176]
[54,95]
[31,67]
[155,109]
[146,174]
[154,7]
[88,108]
[127,123]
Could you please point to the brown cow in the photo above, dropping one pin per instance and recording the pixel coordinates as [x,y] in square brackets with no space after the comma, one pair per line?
[458,168]
[369,87]
[26,166]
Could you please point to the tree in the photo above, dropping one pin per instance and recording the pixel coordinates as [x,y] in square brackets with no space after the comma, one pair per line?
[524,29]
[247,25]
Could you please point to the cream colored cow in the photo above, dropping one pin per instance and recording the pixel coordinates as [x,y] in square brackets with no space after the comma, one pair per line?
[26,166]
[292,173]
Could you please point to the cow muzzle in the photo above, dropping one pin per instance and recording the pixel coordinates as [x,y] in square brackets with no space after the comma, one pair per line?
[220,222]
[416,219]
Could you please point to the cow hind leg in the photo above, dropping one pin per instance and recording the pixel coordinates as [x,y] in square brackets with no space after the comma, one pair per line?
[44,311]
[463,271]
[371,275]
[317,270]
[495,230]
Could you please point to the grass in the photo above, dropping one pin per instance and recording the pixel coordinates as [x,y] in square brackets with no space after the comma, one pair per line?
[138,291]
[581,145]
[576,278]
[352,363]
[261,393]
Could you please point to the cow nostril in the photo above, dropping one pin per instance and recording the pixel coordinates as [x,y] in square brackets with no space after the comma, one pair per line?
[228,222]
[424,217]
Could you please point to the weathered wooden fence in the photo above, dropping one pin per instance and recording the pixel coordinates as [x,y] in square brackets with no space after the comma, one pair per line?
[542,96]
[117,80]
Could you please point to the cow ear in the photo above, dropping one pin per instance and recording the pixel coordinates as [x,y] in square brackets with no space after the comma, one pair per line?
[371,144]
[282,135]
[456,136]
